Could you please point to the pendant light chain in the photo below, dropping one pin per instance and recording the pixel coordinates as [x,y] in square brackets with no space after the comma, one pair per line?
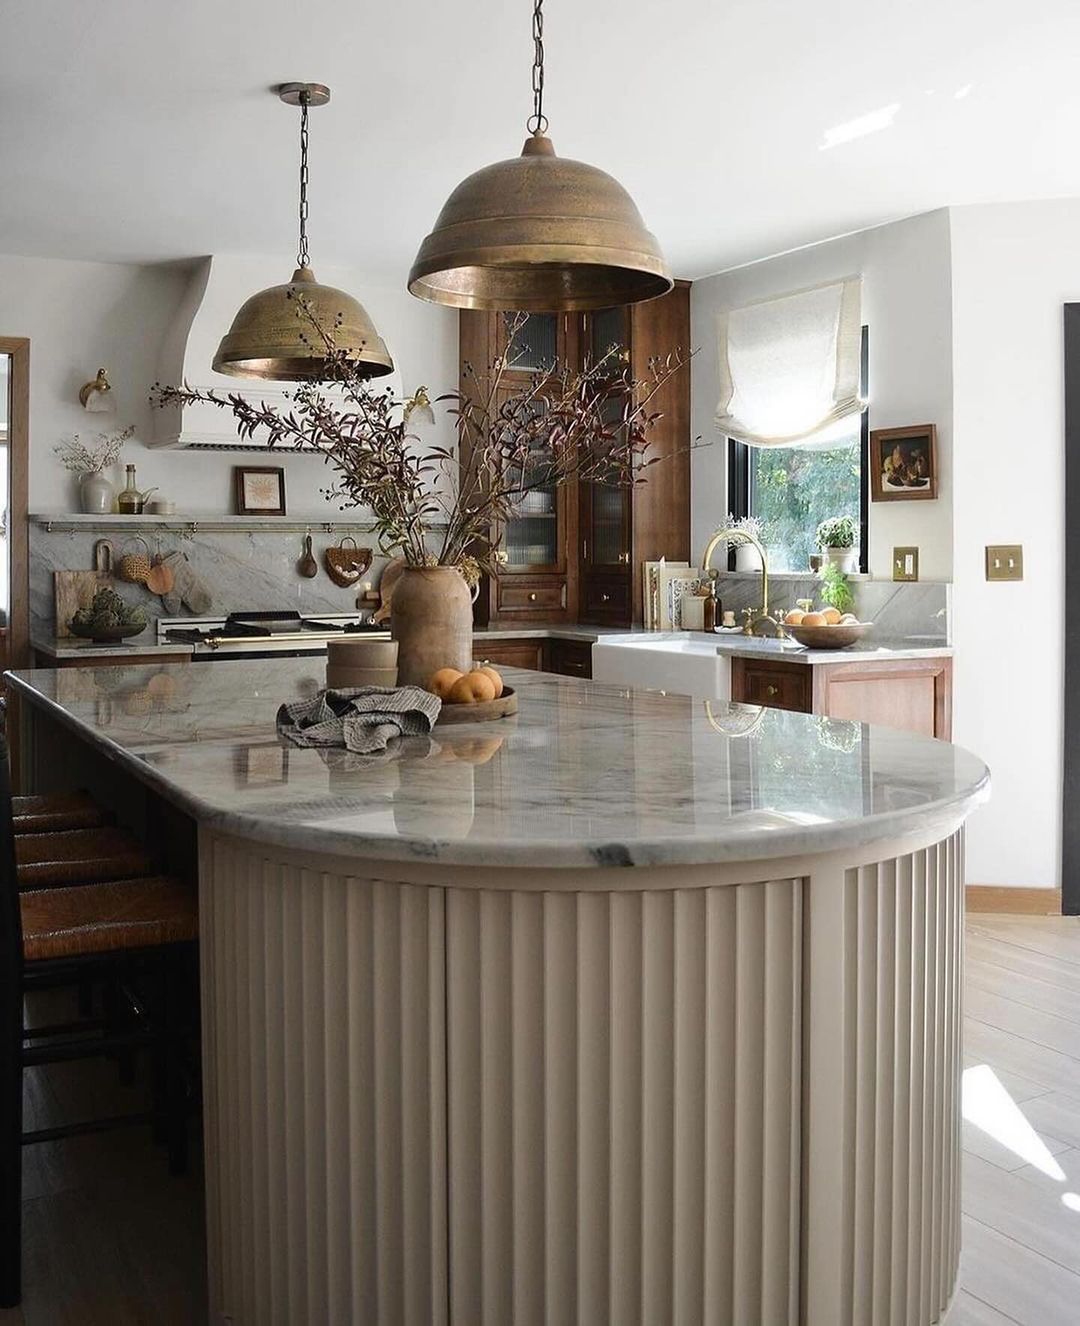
[302,255]
[538,122]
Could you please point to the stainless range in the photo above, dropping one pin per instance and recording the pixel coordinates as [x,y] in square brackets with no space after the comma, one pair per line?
[263,634]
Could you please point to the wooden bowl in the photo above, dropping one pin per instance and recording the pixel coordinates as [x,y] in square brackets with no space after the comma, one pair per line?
[829,637]
[483,711]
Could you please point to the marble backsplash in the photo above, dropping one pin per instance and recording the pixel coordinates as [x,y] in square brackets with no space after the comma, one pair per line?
[257,572]
[897,609]
[242,571]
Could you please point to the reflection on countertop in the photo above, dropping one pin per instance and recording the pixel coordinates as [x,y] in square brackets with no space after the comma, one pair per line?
[586,774]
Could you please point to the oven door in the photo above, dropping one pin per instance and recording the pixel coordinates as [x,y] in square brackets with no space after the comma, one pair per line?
[232,654]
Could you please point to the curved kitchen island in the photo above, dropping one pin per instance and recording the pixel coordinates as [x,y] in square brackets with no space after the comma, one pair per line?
[628,1009]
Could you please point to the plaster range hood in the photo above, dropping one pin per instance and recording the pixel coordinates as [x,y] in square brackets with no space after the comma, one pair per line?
[215,289]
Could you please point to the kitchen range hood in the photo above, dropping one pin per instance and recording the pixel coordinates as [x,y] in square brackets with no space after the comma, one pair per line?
[215,288]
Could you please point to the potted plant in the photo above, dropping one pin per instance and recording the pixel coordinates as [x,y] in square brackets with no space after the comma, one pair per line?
[747,557]
[442,515]
[836,539]
[89,461]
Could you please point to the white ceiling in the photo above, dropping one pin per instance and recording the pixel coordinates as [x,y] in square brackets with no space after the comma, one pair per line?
[143,129]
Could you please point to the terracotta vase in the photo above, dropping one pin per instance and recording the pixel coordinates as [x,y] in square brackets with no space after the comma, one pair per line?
[431,619]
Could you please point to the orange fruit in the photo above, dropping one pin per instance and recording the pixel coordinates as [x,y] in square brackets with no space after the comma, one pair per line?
[442,682]
[814,619]
[490,672]
[794,617]
[473,688]
[831,615]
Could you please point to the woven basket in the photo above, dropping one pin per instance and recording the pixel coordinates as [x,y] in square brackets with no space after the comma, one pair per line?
[134,567]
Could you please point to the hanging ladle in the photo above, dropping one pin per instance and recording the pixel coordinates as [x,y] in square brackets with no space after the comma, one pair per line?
[307,566]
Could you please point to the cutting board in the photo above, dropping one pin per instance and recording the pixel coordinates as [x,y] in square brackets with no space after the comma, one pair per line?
[73,590]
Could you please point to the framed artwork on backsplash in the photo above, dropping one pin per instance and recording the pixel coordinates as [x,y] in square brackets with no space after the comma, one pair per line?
[260,490]
[903,464]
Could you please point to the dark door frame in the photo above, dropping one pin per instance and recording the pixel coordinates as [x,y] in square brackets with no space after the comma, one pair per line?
[1070,801]
[18,628]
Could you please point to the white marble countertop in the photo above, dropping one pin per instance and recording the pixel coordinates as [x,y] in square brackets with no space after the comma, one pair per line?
[728,642]
[586,774]
[739,645]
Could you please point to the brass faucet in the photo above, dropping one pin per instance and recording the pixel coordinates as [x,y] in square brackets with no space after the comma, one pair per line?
[758,621]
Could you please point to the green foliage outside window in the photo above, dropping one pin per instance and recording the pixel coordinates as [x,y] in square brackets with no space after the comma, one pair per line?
[793,490]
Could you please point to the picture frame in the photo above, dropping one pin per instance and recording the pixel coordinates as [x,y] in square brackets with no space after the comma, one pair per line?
[903,464]
[260,490]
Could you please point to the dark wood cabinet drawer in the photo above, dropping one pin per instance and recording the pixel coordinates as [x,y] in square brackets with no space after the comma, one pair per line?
[570,658]
[509,653]
[524,596]
[606,598]
[772,683]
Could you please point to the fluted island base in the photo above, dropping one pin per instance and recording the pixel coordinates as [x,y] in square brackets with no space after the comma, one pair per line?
[448,1095]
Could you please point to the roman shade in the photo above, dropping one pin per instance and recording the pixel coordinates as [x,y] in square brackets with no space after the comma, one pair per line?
[789,367]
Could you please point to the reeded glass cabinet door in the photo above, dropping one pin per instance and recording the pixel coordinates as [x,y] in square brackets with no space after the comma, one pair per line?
[537,344]
[607,333]
[533,536]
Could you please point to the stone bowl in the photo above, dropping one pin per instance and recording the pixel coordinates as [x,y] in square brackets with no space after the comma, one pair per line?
[111,635]
[829,637]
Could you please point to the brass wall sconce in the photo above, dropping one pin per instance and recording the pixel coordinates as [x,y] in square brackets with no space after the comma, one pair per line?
[418,409]
[96,396]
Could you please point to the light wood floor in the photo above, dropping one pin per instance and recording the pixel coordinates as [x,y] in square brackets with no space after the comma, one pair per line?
[112,1241]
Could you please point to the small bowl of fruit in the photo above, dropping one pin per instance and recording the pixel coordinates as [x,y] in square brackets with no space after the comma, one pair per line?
[108,619]
[827,628]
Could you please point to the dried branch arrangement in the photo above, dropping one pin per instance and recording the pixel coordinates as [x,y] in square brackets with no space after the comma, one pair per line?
[92,457]
[443,506]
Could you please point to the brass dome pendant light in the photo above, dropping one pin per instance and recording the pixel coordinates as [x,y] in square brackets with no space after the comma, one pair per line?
[539,233]
[269,337]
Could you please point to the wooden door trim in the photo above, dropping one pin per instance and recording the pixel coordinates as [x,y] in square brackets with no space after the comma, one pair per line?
[18,347]
[1070,781]
[1012,901]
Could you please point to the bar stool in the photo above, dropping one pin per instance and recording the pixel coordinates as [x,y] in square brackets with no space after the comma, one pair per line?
[57,936]
[57,811]
[79,856]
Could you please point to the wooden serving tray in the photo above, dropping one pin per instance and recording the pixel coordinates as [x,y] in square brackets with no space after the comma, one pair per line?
[481,712]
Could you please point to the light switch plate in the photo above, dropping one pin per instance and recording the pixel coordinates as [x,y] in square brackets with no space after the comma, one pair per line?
[905,563]
[1004,561]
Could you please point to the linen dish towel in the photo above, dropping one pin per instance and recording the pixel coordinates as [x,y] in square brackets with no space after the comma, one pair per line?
[362,719]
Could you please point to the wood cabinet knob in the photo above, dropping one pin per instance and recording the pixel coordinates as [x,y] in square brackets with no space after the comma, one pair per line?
[770,691]
[605,598]
[532,597]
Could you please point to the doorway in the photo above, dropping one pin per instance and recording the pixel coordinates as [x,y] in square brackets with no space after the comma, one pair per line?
[14,490]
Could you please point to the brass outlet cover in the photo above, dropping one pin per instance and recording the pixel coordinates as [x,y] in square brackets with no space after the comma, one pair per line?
[905,563]
[1004,561]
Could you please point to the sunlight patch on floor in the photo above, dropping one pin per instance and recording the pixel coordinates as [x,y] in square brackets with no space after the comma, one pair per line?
[990,1107]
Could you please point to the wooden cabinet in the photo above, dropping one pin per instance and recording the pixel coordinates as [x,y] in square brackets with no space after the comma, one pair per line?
[773,683]
[510,653]
[570,658]
[620,528]
[574,553]
[914,694]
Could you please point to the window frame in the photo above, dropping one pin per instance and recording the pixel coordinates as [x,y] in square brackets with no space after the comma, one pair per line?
[738,475]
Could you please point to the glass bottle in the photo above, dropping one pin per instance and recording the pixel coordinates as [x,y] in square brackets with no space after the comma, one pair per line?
[708,611]
[129,499]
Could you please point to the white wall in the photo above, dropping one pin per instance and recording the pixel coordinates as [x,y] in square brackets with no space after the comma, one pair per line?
[906,303]
[1013,267]
[81,316]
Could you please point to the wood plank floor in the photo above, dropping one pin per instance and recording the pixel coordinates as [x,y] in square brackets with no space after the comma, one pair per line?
[111,1240]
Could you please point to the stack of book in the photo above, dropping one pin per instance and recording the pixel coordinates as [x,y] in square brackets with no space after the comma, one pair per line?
[666,584]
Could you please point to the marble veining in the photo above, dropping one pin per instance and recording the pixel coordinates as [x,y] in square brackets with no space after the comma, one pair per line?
[587,774]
